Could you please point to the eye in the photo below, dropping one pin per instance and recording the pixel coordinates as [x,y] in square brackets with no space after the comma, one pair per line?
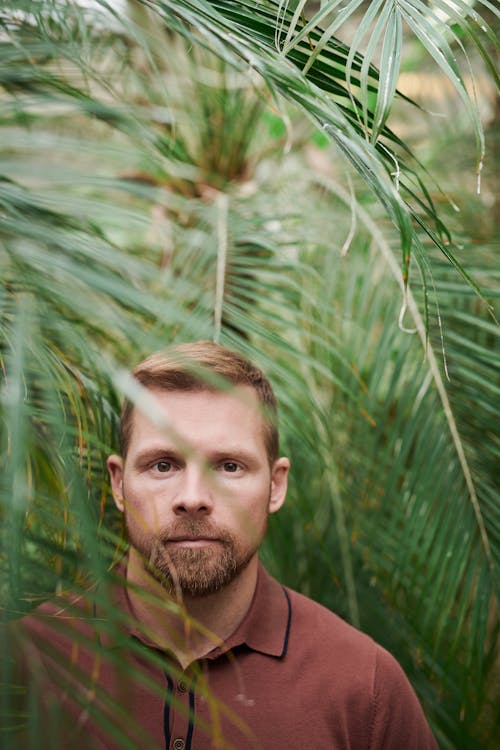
[163,466]
[231,467]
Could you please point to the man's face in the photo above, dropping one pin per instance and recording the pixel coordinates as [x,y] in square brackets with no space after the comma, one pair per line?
[196,500]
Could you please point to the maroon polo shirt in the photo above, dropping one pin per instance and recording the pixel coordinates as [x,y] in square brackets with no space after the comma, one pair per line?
[293,676]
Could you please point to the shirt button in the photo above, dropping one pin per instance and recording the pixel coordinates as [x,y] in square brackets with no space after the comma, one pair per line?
[181,686]
[178,744]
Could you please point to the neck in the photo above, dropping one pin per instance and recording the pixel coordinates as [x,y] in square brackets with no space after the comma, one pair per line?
[190,627]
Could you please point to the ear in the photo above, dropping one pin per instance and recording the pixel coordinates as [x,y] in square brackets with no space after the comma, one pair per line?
[279,483]
[115,470]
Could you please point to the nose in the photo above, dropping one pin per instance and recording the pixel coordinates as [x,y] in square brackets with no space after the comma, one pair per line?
[194,496]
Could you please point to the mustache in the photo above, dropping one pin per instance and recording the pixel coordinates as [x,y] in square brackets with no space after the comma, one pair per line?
[193,529]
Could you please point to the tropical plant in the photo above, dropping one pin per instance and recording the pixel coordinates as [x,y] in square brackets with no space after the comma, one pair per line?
[162,180]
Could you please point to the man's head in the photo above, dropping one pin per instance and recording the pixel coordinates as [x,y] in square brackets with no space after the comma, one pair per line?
[204,366]
[197,496]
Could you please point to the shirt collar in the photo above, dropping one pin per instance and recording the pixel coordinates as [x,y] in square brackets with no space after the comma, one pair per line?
[265,627]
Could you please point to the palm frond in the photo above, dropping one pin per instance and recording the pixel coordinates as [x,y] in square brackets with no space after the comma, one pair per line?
[140,208]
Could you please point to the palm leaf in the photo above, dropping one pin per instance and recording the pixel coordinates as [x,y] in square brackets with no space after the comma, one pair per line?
[117,238]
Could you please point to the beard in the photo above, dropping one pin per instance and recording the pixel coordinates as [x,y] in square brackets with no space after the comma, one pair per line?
[199,571]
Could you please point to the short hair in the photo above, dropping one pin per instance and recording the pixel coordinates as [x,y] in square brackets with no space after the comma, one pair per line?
[200,366]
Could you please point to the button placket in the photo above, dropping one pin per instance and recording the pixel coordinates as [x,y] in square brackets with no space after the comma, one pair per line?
[179,712]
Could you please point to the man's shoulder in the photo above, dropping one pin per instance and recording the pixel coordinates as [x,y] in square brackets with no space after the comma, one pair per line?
[325,641]
[317,623]
[51,628]
[365,673]
[69,606]
[81,606]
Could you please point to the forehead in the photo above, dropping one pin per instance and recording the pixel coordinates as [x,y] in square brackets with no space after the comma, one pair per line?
[200,418]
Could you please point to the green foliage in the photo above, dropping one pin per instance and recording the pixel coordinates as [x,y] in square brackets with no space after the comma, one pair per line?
[161,182]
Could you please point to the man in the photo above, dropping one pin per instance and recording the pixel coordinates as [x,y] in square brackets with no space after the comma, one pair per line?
[212,652]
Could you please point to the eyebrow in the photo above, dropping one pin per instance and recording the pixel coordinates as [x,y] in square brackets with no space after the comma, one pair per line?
[149,454]
[156,452]
[232,452]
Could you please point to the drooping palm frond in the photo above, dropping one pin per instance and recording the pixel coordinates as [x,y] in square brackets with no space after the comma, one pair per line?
[245,32]
[335,109]
[382,23]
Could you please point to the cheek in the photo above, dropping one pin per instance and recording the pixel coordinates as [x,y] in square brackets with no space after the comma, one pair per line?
[142,489]
[250,495]
[250,510]
[143,507]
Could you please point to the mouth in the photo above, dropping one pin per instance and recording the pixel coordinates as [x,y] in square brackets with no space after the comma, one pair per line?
[193,541]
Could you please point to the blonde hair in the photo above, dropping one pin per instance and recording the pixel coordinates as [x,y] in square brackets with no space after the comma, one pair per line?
[200,366]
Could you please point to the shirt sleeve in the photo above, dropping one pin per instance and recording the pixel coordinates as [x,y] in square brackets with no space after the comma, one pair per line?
[397,719]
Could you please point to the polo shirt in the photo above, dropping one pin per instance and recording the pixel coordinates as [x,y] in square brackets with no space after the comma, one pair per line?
[292,676]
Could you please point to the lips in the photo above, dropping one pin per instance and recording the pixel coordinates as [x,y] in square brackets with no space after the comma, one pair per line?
[193,534]
[191,542]
[193,539]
